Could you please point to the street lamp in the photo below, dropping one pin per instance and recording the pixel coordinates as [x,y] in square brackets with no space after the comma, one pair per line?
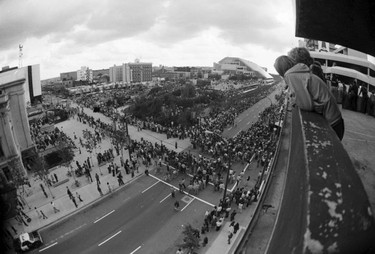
[229,162]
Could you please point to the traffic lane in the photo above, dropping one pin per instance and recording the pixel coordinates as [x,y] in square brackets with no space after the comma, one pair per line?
[65,228]
[246,118]
[140,228]
[168,236]
[94,233]
[164,228]
[128,218]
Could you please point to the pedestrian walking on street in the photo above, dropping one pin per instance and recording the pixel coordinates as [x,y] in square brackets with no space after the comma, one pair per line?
[109,188]
[43,215]
[79,197]
[236,227]
[38,213]
[69,192]
[100,190]
[230,237]
[97,178]
[88,174]
[176,205]
[175,145]
[44,191]
[55,210]
[119,178]
[232,215]
[74,201]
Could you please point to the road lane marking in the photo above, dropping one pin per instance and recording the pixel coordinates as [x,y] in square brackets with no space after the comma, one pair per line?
[104,216]
[170,185]
[135,250]
[234,186]
[109,238]
[48,247]
[150,187]
[71,231]
[247,165]
[188,204]
[165,198]
[237,133]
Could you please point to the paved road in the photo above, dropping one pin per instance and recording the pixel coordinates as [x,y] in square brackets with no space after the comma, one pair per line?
[134,219]
[247,118]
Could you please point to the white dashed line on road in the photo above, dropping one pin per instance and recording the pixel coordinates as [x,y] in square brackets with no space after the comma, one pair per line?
[150,187]
[165,198]
[103,216]
[48,247]
[109,238]
[135,250]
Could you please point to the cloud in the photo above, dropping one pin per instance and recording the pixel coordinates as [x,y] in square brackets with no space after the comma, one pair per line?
[240,22]
[64,35]
[20,20]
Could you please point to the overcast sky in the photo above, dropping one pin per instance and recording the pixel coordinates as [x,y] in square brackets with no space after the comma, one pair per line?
[63,35]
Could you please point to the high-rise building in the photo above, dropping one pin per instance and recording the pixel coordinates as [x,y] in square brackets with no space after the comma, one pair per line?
[131,72]
[139,72]
[116,73]
[84,74]
[32,85]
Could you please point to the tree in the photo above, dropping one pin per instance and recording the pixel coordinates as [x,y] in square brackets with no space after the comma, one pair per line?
[188,91]
[191,239]
[42,172]
[65,148]
[19,180]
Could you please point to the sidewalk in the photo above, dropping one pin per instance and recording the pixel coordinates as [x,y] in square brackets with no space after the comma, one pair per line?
[218,241]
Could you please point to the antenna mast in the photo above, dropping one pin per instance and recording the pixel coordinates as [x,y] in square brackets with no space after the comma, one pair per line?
[20,47]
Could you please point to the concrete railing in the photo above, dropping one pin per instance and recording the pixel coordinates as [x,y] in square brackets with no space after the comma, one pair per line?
[325,208]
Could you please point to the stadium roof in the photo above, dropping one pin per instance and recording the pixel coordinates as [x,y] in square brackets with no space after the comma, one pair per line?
[253,66]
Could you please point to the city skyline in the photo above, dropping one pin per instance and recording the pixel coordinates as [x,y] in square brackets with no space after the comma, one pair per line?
[62,37]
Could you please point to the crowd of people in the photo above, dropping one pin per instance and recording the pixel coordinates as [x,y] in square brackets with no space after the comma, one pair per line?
[256,142]
[45,139]
[353,96]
